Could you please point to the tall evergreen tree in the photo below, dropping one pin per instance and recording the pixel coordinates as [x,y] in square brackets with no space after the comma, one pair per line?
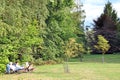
[61,26]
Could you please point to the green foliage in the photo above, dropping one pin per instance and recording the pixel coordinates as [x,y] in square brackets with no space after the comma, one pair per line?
[38,61]
[28,25]
[21,24]
[3,61]
[69,48]
[109,11]
[72,48]
[102,44]
[41,62]
[61,26]
[2,68]
[27,57]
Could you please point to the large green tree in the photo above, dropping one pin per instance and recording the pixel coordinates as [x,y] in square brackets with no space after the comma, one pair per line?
[62,24]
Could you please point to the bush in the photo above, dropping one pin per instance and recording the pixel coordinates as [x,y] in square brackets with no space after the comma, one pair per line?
[50,62]
[26,58]
[38,61]
[59,60]
[2,68]
[3,61]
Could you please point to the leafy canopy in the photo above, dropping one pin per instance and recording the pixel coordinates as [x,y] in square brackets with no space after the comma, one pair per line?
[102,44]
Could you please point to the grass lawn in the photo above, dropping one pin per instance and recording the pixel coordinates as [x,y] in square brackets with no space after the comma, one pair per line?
[91,68]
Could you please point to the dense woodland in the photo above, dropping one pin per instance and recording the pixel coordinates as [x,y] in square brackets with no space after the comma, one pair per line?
[37,30]
[51,30]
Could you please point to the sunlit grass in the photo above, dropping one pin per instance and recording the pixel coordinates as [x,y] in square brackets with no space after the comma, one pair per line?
[90,69]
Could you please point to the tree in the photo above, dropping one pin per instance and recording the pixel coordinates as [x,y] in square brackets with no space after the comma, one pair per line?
[69,52]
[72,49]
[61,25]
[102,45]
[107,25]
[79,50]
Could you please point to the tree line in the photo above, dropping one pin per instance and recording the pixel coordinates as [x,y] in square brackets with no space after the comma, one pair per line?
[37,30]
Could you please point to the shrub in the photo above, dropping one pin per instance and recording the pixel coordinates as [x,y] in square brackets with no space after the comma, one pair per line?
[59,60]
[50,62]
[26,58]
[2,68]
[3,61]
[38,61]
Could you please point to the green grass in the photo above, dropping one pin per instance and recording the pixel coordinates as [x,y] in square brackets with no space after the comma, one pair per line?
[91,68]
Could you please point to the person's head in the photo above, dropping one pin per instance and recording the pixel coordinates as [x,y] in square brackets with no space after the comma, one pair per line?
[16,63]
[10,63]
[27,63]
[30,62]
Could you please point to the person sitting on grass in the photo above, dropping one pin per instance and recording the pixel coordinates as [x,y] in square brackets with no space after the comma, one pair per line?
[8,68]
[29,66]
[18,67]
[12,67]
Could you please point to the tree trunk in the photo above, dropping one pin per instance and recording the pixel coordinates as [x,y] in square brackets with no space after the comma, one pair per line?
[80,56]
[66,67]
[103,60]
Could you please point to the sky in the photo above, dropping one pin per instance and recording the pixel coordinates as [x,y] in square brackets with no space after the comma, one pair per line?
[94,8]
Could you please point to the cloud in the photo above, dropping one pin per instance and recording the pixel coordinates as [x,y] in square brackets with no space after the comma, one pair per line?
[92,11]
[95,2]
[116,6]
